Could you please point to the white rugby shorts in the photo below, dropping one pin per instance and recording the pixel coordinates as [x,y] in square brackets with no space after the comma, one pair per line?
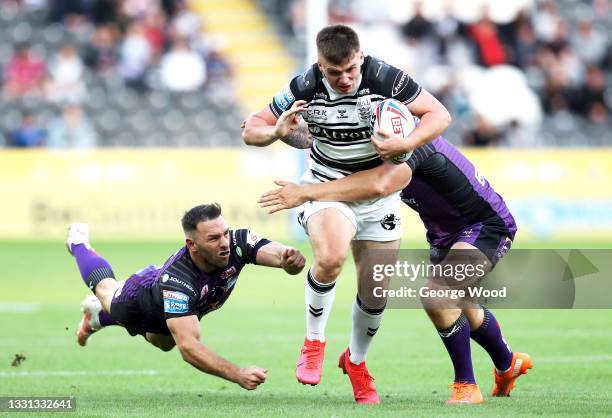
[374,220]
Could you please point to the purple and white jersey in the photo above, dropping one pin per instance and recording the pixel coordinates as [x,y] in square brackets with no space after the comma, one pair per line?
[450,195]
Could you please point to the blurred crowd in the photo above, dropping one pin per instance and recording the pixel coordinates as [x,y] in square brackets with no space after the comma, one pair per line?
[55,52]
[512,72]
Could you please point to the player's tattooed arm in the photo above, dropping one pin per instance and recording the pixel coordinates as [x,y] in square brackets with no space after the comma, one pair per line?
[299,138]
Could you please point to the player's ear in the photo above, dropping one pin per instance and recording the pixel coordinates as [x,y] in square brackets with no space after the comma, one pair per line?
[189,243]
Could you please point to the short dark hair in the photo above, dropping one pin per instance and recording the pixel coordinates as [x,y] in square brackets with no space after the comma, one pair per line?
[198,214]
[337,43]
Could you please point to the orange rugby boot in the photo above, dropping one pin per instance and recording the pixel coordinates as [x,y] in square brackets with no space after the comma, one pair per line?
[90,323]
[465,393]
[505,382]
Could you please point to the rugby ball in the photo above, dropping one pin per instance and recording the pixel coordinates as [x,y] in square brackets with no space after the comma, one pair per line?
[394,117]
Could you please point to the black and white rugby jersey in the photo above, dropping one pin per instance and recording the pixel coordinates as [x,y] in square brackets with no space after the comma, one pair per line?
[341,124]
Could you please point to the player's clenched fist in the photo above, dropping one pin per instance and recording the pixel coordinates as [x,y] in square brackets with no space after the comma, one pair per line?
[251,377]
[292,261]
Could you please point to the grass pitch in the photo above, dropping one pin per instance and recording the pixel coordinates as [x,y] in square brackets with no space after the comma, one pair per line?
[263,324]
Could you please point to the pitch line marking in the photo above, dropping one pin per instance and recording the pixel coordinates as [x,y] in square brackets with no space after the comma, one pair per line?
[73,373]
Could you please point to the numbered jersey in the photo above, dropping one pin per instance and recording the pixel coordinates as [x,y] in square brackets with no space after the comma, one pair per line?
[449,194]
[341,124]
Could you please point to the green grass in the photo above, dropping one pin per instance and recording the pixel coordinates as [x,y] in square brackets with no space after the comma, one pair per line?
[263,324]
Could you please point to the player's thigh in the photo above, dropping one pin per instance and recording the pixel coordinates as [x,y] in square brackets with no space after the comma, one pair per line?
[105,290]
[330,232]
[368,255]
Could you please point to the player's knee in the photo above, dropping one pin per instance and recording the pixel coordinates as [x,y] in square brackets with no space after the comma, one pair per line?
[328,266]
[442,317]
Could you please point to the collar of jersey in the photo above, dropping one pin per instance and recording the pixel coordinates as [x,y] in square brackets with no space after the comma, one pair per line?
[333,94]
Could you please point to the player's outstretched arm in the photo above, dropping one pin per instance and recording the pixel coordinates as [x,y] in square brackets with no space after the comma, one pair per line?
[275,254]
[186,333]
[434,121]
[263,128]
[368,184]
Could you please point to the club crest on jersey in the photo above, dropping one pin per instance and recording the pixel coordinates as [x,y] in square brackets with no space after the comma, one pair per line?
[253,238]
[390,221]
[204,292]
[364,109]
[399,84]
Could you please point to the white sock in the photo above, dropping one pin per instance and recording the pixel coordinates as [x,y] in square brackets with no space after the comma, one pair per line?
[319,299]
[365,324]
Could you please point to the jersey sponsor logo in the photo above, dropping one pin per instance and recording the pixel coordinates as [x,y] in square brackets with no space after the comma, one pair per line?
[316,114]
[228,273]
[359,133]
[173,294]
[175,302]
[284,98]
[179,282]
[320,96]
[363,92]
[390,221]
[253,238]
[399,84]
[165,277]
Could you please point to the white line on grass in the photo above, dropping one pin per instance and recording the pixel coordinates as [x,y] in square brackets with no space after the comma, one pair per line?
[19,307]
[71,373]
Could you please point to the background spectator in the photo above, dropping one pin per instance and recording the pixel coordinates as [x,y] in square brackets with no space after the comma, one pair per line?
[71,129]
[28,134]
[182,69]
[65,83]
[24,74]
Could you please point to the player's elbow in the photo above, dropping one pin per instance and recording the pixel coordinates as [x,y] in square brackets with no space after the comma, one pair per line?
[247,137]
[393,184]
[445,119]
[188,350]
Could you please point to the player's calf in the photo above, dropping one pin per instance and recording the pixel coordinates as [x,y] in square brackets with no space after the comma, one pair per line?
[92,267]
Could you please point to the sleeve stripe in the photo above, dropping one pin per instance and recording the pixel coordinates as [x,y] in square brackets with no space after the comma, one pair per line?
[257,246]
